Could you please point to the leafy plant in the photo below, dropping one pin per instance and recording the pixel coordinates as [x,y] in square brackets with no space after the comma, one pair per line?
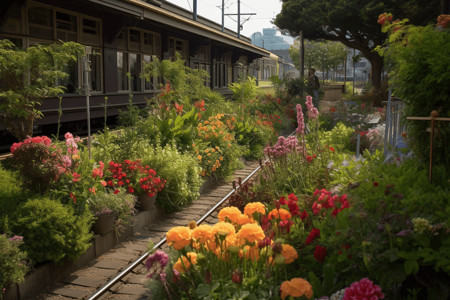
[181,172]
[13,262]
[41,66]
[244,90]
[418,58]
[51,230]
[121,203]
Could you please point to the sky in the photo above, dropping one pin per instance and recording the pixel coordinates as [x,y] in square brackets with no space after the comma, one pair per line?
[265,10]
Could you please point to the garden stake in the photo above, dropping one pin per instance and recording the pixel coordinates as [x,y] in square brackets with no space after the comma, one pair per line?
[433,117]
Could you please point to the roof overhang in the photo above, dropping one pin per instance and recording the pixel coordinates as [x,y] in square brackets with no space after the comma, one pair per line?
[148,11]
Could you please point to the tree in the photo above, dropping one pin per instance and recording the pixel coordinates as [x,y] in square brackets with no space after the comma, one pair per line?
[321,55]
[352,22]
[27,77]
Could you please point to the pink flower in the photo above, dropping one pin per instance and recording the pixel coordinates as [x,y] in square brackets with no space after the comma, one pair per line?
[363,289]
[156,262]
[300,120]
[312,111]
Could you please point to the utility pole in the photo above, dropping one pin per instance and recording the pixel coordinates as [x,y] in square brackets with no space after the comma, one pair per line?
[195,10]
[239,17]
[302,55]
[223,15]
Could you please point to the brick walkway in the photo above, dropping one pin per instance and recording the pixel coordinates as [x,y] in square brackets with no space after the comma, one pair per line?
[83,283]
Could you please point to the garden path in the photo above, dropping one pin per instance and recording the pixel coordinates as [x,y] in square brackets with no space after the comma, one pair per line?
[84,282]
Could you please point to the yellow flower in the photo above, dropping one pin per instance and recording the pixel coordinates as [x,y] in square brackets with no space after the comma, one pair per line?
[179,237]
[253,207]
[232,213]
[202,233]
[251,233]
[289,253]
[296,287]
[279,214]
[75,157]
[223,228]
[182,265]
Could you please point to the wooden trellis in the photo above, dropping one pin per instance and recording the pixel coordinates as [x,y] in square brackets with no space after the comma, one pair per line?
[433,118]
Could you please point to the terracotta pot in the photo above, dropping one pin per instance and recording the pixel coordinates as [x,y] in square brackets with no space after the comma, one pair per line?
[104,223]
[145,202]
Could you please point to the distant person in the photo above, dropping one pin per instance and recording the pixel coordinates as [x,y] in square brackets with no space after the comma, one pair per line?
[314,85]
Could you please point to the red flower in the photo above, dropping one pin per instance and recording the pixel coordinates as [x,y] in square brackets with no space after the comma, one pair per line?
[116,191]
[179,108]
[331,149]
[285,225]
[309,158]
[74,199]
[375,183]
[363,289]
[312,236]
[237,277]
[304,215]
[76,177]
[320,253]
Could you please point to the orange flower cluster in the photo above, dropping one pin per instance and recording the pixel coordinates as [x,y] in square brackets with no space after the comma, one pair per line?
[296,287]
[209,159]
[183,264]
[214,128]
[279,214]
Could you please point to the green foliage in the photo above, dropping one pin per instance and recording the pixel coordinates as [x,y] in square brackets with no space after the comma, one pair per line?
[244,90]
[180,129]
[185,81]
[28,76]
[51,230]
[181,172]
[121,203]
[11,194]
[339,137]
[351,22]
[12,260]
[420,57]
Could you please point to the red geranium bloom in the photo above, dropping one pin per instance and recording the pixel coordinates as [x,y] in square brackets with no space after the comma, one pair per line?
[312,236]
[320,253]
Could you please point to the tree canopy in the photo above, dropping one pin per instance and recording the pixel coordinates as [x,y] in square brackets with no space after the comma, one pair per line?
[352,22]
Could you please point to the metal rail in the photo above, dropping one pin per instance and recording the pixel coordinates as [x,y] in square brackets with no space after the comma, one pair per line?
[125,272]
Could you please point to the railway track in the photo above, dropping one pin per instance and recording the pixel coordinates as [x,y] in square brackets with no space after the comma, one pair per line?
[121,272]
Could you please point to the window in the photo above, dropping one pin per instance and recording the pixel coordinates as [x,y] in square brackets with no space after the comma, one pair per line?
[122,68]
[90,32]
[152,84]
[66,27]
[95,76]
[40,22]
[178,46]
[135,70]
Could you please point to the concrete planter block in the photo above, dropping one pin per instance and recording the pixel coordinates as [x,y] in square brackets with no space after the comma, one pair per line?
[11,293]
[104,243]
[35,280]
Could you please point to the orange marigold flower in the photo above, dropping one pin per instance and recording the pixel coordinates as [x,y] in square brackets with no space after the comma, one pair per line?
[252,233]
[223,228]
[296,287]
[289,253]
[279,214]
[253,207]
[249,253]
[244,219]
[202,233]
[179,237]
[234,240]
[231,213]
[182,265]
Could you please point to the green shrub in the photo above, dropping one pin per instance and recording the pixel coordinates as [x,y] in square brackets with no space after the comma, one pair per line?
[181,172]
[420,57]
[339,138]
[12,262]
[11,194]
[51,230]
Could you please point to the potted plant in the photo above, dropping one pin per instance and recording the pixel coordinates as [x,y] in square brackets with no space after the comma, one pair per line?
[138,180]
[112,210]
